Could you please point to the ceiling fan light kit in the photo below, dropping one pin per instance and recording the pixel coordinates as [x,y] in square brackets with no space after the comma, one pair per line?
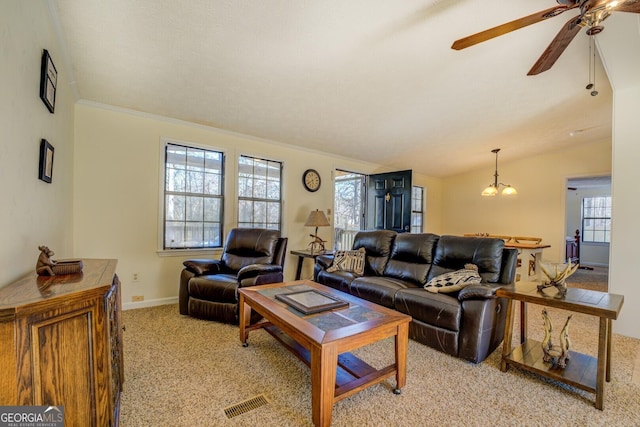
[493,188]
[592,14]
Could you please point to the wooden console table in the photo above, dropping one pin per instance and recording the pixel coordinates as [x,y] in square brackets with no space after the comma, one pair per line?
[61,343]
[583,371]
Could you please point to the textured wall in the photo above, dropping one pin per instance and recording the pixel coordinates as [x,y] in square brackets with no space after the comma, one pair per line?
[117,191]
[32,211]
[537,210]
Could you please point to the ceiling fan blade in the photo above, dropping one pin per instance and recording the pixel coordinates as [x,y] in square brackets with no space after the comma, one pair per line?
[510,26]
[556,47]
[629,6]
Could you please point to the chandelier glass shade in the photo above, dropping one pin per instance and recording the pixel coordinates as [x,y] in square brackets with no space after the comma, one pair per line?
[494,188]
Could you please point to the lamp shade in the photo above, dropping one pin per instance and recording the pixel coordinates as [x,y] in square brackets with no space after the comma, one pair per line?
[509,191]
[317,219]
[490,191]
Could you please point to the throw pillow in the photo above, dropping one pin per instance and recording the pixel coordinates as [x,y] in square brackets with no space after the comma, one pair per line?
[454,280]
[351,261]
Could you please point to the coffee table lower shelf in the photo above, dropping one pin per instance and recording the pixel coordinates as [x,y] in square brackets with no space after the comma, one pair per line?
[352,374]
[581,371]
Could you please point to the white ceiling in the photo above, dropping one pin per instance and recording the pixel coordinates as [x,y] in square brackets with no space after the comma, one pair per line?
[369,79]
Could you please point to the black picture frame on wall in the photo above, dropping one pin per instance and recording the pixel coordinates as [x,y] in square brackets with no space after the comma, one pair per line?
[48,81]
[45,170]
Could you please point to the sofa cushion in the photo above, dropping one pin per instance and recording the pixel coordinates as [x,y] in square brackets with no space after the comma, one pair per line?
[453,252]
[351,261]
[411,257]
[339,280]
[377,245]
[454,280]
[380,290]
[440,310]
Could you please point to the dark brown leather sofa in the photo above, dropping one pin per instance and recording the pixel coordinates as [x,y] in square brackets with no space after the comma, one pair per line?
[209,288]
[468,323]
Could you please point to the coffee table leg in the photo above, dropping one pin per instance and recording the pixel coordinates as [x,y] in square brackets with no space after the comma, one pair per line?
[324,361]
[244,320]
[402,341]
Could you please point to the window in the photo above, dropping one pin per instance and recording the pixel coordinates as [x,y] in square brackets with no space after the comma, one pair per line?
[193,197]
[417,212]
[596,219]
[259,193]
[348,208]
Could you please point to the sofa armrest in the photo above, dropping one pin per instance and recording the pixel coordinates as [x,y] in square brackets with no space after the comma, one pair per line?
[324,261]
[255,270]
[203,266]
[482,291]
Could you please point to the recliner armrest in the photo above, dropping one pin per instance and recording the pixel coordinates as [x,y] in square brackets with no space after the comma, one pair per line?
[481,291]
[203,266]
[254,270]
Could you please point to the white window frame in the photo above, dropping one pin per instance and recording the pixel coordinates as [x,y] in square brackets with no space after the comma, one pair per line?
[161,200]
[415,213]
[596,218]
[254,199]
[343,236]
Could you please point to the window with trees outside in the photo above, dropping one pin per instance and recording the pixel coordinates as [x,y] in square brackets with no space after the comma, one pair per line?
[259,193]
[193,197]
[596,219]
[417,213]
[349,199]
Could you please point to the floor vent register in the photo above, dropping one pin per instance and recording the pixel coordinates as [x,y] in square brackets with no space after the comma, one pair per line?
[246,406]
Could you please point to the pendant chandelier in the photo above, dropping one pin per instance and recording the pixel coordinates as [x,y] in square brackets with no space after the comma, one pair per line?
[493,188]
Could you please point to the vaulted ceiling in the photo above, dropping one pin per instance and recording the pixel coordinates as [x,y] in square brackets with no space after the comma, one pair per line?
[374,80]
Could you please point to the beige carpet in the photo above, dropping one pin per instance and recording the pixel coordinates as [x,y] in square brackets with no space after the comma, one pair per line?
[183,372]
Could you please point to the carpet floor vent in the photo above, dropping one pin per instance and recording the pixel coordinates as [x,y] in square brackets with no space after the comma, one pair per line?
[246,406]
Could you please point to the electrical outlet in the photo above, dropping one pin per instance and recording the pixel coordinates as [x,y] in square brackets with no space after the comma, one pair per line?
[137,298]
[135,277]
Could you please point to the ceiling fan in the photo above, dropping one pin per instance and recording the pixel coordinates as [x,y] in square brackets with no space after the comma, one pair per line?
[592,13]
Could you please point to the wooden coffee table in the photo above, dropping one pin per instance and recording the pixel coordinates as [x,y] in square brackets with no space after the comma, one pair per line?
[322,340]
[583,371]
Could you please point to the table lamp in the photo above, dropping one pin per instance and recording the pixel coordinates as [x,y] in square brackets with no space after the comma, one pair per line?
[317,219]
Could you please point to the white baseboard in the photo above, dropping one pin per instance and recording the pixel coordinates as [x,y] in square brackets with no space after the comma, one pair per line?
[149,303]
[594,264]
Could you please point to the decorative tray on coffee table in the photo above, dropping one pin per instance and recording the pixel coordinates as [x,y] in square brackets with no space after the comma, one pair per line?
[311,301]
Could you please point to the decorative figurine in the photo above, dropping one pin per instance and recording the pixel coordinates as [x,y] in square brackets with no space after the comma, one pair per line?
[317,244]
[46,266]
[557,356]
[557,273]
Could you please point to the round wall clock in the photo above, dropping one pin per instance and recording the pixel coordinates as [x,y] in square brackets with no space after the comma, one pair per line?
[311,180]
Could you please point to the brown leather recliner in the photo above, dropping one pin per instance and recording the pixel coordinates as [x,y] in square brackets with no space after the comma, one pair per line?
[209,288]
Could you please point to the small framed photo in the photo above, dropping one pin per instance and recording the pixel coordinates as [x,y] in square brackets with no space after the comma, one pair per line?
[48,81]
[309,302]
[45,171]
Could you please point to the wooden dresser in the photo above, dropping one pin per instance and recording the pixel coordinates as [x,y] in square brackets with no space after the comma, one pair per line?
[61,343]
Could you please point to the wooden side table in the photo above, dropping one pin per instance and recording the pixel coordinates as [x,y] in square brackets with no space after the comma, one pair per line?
[583,371]
[305,253]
